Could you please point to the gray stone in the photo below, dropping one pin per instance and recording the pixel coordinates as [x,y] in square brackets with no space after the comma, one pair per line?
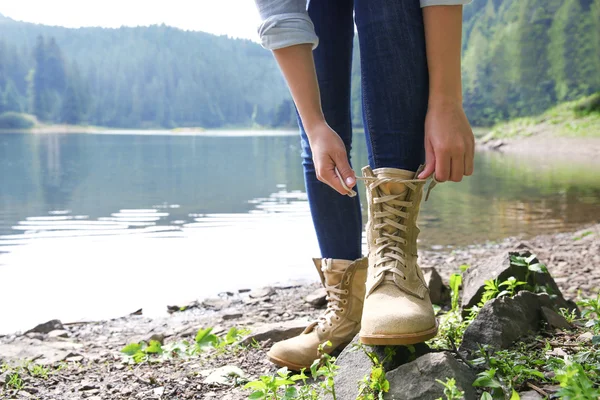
[262,292]
[276,332]
[232,314]
[3,378]
[157,337]
[554,319]
[44,353]
[530,395]
[501,268]
[226,375]
[318,298]
[503,320]
[58,333]
[47,327]
[354,365]
[585,337]
[438,292]
[417,379]
[216,303]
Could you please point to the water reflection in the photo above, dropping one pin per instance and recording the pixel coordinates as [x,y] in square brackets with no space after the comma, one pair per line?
[96,217]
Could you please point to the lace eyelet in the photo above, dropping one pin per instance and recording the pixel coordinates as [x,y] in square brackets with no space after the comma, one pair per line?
[342,310]
[346,291]
[404,278]
[345,301]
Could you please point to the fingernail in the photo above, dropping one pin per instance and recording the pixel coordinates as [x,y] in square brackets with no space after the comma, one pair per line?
[349,181]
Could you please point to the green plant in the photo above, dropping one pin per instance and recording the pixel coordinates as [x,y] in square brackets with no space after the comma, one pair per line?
[455,282]
[284,385]
[590,311]
[37,370]
[511,285]
[575,384]
[450,390]
[569,315]
[375,385]
[271,387]
[205,341]
[15,381]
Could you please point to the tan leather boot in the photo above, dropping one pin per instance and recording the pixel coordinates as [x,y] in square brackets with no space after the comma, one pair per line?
[345,284]
[397,309]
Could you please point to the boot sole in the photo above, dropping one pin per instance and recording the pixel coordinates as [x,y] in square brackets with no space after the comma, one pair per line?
[399,340]
[282,363]
[296,367]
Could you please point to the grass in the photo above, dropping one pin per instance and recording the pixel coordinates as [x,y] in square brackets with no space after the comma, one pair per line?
[579,118]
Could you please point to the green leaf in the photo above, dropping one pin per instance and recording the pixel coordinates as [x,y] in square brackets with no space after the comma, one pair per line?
[204,338]
[486,381]
[154,347]
[256,385]
[538,267]
[515,395]
[257,395]
[529,259]
[131,348]
[290,393]
[596,339]
[486,396]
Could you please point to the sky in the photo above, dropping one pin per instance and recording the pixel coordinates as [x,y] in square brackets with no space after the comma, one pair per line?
[235,18]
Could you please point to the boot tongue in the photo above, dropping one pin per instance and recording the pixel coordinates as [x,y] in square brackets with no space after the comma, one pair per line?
[393,187]
[333,270]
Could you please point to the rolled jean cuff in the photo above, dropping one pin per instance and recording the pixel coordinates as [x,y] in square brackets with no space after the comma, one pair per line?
[284,30]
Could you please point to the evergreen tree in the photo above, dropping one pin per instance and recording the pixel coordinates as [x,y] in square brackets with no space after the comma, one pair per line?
[11,100]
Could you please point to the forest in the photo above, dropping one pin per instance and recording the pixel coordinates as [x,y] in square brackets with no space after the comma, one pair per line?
[519,58]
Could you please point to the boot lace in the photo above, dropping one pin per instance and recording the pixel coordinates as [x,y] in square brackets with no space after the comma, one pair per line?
[334,301]
[392,214]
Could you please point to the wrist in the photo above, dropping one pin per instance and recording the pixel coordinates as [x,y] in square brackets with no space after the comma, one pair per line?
[437,100]
[313,122]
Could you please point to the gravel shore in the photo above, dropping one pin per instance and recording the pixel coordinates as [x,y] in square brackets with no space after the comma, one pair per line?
[84,360]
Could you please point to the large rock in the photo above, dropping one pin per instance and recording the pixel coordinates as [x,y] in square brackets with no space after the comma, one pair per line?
[262,292]
[318,298]
[530,395]
[417,379]
[47,327]
[501,268]
[354,365]
[503,320]
[276,332]
[438,292]
[44,353]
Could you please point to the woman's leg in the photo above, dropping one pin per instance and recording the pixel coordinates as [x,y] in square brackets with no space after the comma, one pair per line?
[397,309]
[337,218]
[394,81]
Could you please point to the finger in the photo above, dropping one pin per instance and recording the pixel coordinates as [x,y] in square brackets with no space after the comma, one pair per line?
[345,170]
[442,167]
[458,168]
[328,176]
[469,158]
[429,161]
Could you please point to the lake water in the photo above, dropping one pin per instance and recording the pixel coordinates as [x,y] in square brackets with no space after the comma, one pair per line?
[99,225]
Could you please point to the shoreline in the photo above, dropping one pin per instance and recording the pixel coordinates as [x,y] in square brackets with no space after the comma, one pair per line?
[444,261]
[85,359]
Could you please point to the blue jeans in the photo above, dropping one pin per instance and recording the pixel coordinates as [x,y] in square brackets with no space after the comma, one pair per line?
[395,91]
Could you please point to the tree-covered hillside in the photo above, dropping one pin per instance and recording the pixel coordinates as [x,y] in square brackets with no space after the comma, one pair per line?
[138,77]
[520,57]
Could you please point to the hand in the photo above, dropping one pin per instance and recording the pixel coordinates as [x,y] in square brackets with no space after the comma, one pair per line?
[449,142]
[329,152]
